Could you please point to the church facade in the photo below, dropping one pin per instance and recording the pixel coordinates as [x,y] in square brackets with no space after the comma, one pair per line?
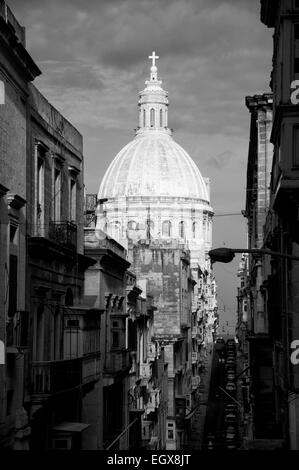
[154,201]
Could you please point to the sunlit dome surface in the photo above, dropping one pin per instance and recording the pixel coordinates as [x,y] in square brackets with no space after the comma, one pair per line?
[153,164]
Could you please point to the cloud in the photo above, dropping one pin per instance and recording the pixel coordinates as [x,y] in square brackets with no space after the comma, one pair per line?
[94,58]
[221,160]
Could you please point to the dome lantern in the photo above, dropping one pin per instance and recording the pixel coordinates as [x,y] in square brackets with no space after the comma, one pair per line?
[153,103]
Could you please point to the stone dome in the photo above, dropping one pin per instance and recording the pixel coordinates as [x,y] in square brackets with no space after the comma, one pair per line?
[153,190]
[153,165]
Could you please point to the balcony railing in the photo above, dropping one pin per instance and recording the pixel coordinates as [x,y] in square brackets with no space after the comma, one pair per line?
[50,377]
[118,361]
[64,233]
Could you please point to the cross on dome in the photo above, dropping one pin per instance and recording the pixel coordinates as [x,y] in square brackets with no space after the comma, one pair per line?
[153,57]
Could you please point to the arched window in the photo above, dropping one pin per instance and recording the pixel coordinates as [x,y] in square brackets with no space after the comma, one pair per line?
[132,225]
[194,230]
[161,118]
[152,117]
[144,119]
[182,230]
[166,228]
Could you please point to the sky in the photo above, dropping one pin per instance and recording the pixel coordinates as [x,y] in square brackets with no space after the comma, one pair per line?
[94,60]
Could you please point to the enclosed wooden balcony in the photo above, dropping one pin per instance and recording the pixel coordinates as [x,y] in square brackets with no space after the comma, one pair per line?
[117,361]
[52,377]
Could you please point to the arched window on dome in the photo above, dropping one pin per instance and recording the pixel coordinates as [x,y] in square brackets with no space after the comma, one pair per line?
[132,225]
[182,229]
[161,118]
[152,117]
[144,118]
[166,228]
[194,229]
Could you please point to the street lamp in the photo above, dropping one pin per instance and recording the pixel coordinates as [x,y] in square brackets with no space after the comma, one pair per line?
[226,255]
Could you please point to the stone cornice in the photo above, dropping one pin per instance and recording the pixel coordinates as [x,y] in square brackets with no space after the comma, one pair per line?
[3,190]
[15,201]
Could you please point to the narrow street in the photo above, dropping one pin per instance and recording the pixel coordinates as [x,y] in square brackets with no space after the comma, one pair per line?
[213,433]
[218,433]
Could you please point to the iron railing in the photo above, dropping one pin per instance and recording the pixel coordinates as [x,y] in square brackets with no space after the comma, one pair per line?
[64,233]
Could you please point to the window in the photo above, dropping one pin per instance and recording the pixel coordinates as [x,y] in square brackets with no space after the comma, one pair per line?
[152,117]
[161,118]
[39,338]
[296,146]
[170,430]
[132,225]
[115,339]
[13,285]
[13,234]
[296,51]
[57,349]
[194,230]
[296,3]
[181,230]
[166,228]
[57,194]
[73,197]
[40,209]
[144,118]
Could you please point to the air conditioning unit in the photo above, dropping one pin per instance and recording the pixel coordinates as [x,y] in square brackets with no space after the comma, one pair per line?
[62,443]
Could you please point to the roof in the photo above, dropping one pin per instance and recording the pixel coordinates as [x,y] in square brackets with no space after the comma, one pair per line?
[154,165]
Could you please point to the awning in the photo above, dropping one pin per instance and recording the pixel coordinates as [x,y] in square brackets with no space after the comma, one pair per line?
[70,427]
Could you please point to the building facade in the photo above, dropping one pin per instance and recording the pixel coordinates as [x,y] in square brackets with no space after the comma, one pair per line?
[17,70]
[281,228]
[253,333]
[155,202]
[64,346]
[50,335]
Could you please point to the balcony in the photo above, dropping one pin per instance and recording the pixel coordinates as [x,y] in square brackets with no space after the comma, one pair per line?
[194,357]
[146,370]
[151,351]
[64,233]
[91,368]
[51,377]
[195,382]
[194,331]
[118,361]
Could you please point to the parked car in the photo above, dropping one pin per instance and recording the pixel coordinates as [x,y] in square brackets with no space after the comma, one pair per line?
[220,340]
[231,446]
[231,408]
[231,377]
[230,433]
[230,418]
[231,387]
